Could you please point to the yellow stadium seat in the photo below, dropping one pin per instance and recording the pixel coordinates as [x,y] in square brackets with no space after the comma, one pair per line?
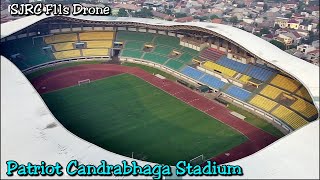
[99,44]
[304,107]
[69,37]
[271,91]
[263,103]
[96,35]
[95,52]
[63,46]
[67,54]
[290,117]
[302,92]
[285,83]
[213,66]
[244,78]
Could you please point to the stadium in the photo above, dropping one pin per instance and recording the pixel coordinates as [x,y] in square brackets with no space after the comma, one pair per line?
[155,91]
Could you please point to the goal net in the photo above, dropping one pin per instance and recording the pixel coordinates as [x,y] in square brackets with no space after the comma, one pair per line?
[85,81]
[197,160]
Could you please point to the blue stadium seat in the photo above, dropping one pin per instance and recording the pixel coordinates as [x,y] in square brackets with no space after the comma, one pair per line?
[212,81]
[238,93]
[237,66]
[192,72]
[266,67]
[260,73]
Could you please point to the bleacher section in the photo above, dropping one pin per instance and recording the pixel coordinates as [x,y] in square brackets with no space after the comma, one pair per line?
[237,66]
[85,36]
[155,58]
[95,52]
[302,92]
[244,78]
[260,73]
[211,54]
[185,58]
[176,65]
[238,93]
[99,44]
[163,50]
[131,53]
[31,53]
[191,72]
[134,36]
[168,41]
[263,103]
[164,45]
[190,51]
[57,38]
[216,67]
[212,81]
[266,95]
[271,92]
[67,54]
[285,83]
[290,117]
[63,46]
[304,107]
[134,45]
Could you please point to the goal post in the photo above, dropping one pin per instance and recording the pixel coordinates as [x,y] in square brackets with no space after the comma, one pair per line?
[85,81]
[197,160]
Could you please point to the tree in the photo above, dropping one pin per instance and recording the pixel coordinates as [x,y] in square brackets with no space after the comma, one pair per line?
[122,13]
[168,12]
[201,18]
[265,7]
[265,31]
[289,15]
[144,13]
[214,16]
[234,20]
[278,44]
[180,15]
[276,27]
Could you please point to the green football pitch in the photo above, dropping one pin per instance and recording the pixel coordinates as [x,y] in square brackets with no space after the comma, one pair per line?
[127,115]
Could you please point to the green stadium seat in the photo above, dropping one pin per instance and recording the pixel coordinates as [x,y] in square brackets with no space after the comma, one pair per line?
[155,58]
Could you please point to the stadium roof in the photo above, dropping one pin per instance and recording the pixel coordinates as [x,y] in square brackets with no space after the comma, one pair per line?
[301,70]
[30,133]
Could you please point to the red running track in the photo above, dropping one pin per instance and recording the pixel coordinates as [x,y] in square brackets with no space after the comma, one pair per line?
[257,138]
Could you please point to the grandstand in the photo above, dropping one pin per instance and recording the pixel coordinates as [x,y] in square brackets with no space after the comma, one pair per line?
[237,66]
[263,103]
[285,83]
[67,54]
[95,52]
[84,36]
[63,46]
[238,93]
[211,54]
[57,38]
[252,83]
[99,44]
[212,81]
[290,117]
[270,83]
[218,68]
[271,92]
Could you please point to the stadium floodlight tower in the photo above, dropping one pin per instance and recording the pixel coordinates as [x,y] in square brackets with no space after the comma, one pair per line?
[44,138]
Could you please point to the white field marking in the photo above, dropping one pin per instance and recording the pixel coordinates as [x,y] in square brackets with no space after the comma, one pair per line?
[193,100]
[209,109]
